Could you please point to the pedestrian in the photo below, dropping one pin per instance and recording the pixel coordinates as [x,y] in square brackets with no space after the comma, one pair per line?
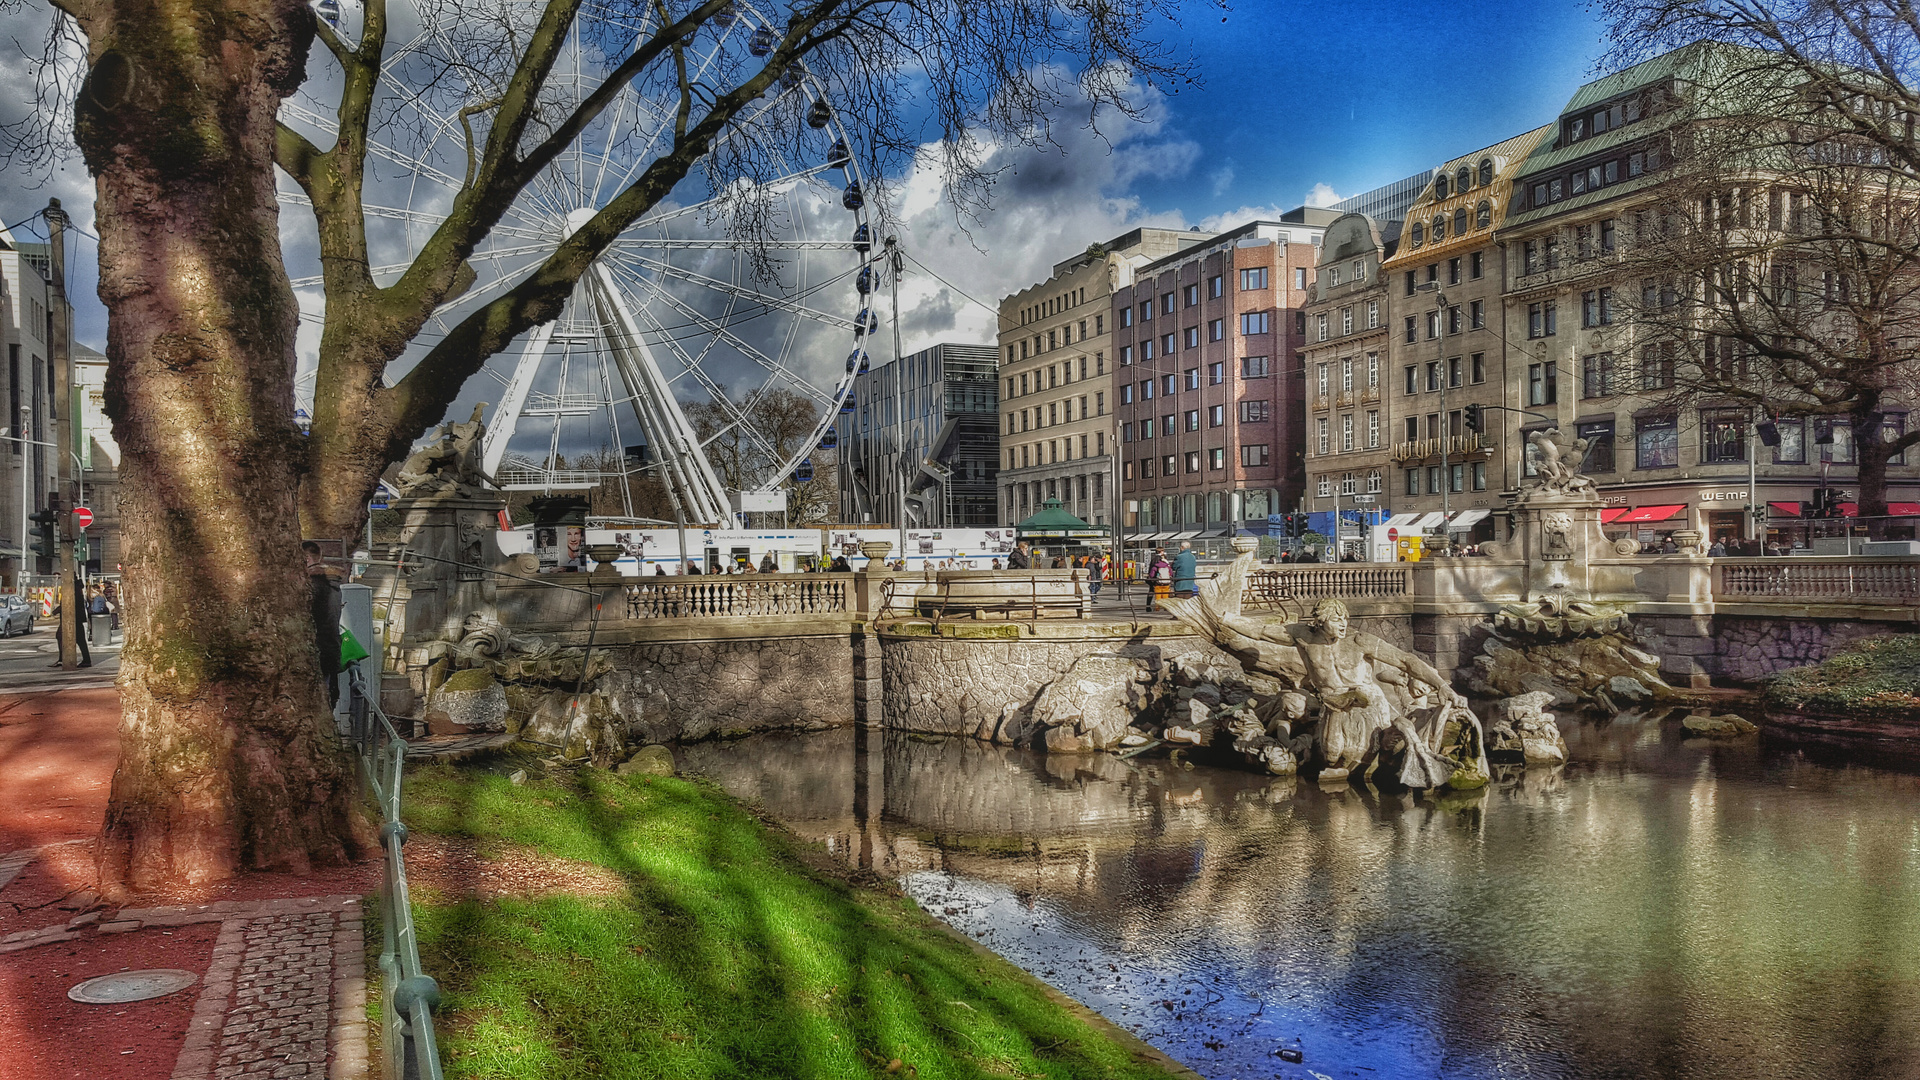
[1186,570]
[1096,571]
[1160,573]
[1019,558]
[323,594]
[996,564]
[113,603]
[1718,550]
[768,565]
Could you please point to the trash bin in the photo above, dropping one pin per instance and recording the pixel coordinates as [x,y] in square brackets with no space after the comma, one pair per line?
[100,629]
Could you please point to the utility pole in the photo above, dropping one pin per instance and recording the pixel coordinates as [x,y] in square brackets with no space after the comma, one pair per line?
[60,316]
[895,264]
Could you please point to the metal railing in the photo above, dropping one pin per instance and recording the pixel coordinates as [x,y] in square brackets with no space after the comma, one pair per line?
[409,995]
[1818,578]
[738,596]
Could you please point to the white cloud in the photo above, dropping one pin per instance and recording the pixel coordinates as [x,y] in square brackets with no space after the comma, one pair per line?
[1222,179]
[1323,195]
[1233,219]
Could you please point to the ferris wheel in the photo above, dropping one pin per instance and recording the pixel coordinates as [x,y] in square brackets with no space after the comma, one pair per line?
[683,311]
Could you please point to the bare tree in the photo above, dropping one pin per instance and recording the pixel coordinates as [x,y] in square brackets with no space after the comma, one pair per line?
[1778,270]
[228,759]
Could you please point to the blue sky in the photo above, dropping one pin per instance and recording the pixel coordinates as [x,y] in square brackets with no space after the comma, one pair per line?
[1355,94]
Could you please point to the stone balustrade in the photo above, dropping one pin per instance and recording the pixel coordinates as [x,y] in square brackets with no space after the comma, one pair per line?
[1844,579]
[1355,580]
[743,596]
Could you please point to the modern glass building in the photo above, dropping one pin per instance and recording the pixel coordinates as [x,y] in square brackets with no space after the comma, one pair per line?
[923,439]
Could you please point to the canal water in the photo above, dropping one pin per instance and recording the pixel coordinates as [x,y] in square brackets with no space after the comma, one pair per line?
[1659,907]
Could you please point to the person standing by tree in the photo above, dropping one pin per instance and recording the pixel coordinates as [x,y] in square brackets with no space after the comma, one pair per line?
[324,597]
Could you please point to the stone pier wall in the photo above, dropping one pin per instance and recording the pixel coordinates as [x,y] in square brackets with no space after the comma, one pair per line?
[701,688]
[1748,648]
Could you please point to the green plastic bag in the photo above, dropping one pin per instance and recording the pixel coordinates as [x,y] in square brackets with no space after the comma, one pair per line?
[350,648]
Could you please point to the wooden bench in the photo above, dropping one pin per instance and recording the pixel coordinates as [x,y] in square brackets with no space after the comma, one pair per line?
[1011,594]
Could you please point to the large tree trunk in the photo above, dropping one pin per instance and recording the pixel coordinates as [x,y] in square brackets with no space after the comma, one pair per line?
[228,757]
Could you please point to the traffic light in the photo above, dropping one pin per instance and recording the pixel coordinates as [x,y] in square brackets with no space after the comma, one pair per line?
[1476,418]
[43,532]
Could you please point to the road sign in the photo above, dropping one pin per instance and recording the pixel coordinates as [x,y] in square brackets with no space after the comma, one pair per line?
[1392,535]
[82,517]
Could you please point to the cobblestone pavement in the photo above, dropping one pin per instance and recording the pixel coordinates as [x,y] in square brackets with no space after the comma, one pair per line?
[283,998]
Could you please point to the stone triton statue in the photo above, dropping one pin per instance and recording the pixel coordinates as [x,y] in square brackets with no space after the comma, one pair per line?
[448,465]
[1351,672]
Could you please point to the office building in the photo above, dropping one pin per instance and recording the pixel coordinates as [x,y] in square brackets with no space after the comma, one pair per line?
[1056,380]
[922,441]
[1208,382]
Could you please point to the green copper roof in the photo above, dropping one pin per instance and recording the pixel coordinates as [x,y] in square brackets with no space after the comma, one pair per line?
[1051,516]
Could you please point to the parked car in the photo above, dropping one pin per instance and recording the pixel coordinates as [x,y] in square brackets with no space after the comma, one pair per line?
[17,615]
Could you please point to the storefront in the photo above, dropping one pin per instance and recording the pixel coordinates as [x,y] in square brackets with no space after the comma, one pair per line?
[1723,514]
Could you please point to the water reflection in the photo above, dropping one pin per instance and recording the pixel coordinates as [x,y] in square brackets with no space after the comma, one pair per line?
[1658,908]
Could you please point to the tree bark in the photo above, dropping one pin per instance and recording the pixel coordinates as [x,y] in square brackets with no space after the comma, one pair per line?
[229,761]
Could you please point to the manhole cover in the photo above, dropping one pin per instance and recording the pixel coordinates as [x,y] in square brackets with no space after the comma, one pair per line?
[132,986]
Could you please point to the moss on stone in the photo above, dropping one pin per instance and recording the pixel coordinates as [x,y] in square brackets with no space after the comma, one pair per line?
[468,679]
[1877,676]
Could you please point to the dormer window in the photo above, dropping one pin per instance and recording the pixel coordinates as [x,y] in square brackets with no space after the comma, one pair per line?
[1486,171]
[1419,234]
[1462,179]
[1440,186]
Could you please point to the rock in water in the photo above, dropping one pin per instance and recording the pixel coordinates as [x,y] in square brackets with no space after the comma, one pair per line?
[653,760]
[1622,688]
[1717,727]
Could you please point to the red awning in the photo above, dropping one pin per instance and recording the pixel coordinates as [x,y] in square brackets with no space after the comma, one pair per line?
[1645,514]
[1785,509]
[1607,516]
[1894,509]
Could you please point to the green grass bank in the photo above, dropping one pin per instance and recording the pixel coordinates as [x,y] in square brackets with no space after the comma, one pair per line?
[1872,677]
[734,950]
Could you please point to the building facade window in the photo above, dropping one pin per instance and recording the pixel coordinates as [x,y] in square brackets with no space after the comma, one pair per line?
[1325,438]
[1542,320]
[1599,436]
[1255,322]
[1254,412]
[1253,367]
[1596,375]
[1253,278]
[1346,432]
[1373,428]
[1723,438]
[1543,383]
[1656,442]
[1253,455]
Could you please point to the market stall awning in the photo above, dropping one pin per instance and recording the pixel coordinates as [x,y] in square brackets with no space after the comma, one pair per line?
[1608,516]
[1428,521]
[1467,519]
[1646,514]
[1400,521]
[1784,509]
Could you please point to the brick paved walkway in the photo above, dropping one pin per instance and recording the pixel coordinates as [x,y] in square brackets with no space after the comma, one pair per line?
[283,998]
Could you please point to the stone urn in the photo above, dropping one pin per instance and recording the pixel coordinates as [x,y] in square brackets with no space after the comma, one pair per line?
[1689,541]
[603,556]
[876,549]
[1244,544]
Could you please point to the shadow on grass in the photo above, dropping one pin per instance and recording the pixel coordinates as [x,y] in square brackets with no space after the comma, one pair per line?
[729,957]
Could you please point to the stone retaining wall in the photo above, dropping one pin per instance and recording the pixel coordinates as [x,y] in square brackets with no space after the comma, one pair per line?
[1747,648]
[701,688]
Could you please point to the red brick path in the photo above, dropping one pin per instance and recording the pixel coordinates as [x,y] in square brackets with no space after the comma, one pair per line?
[281,958]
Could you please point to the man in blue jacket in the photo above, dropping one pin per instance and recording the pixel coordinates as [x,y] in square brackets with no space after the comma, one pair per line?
[1186,568]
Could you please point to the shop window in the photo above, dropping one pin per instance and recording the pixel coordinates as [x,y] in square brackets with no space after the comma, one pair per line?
[1793,441]
[1723,438]
[1656,442]
[1599,436]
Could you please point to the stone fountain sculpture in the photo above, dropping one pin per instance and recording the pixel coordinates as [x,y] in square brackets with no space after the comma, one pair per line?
[1383,712]
[1559,640]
